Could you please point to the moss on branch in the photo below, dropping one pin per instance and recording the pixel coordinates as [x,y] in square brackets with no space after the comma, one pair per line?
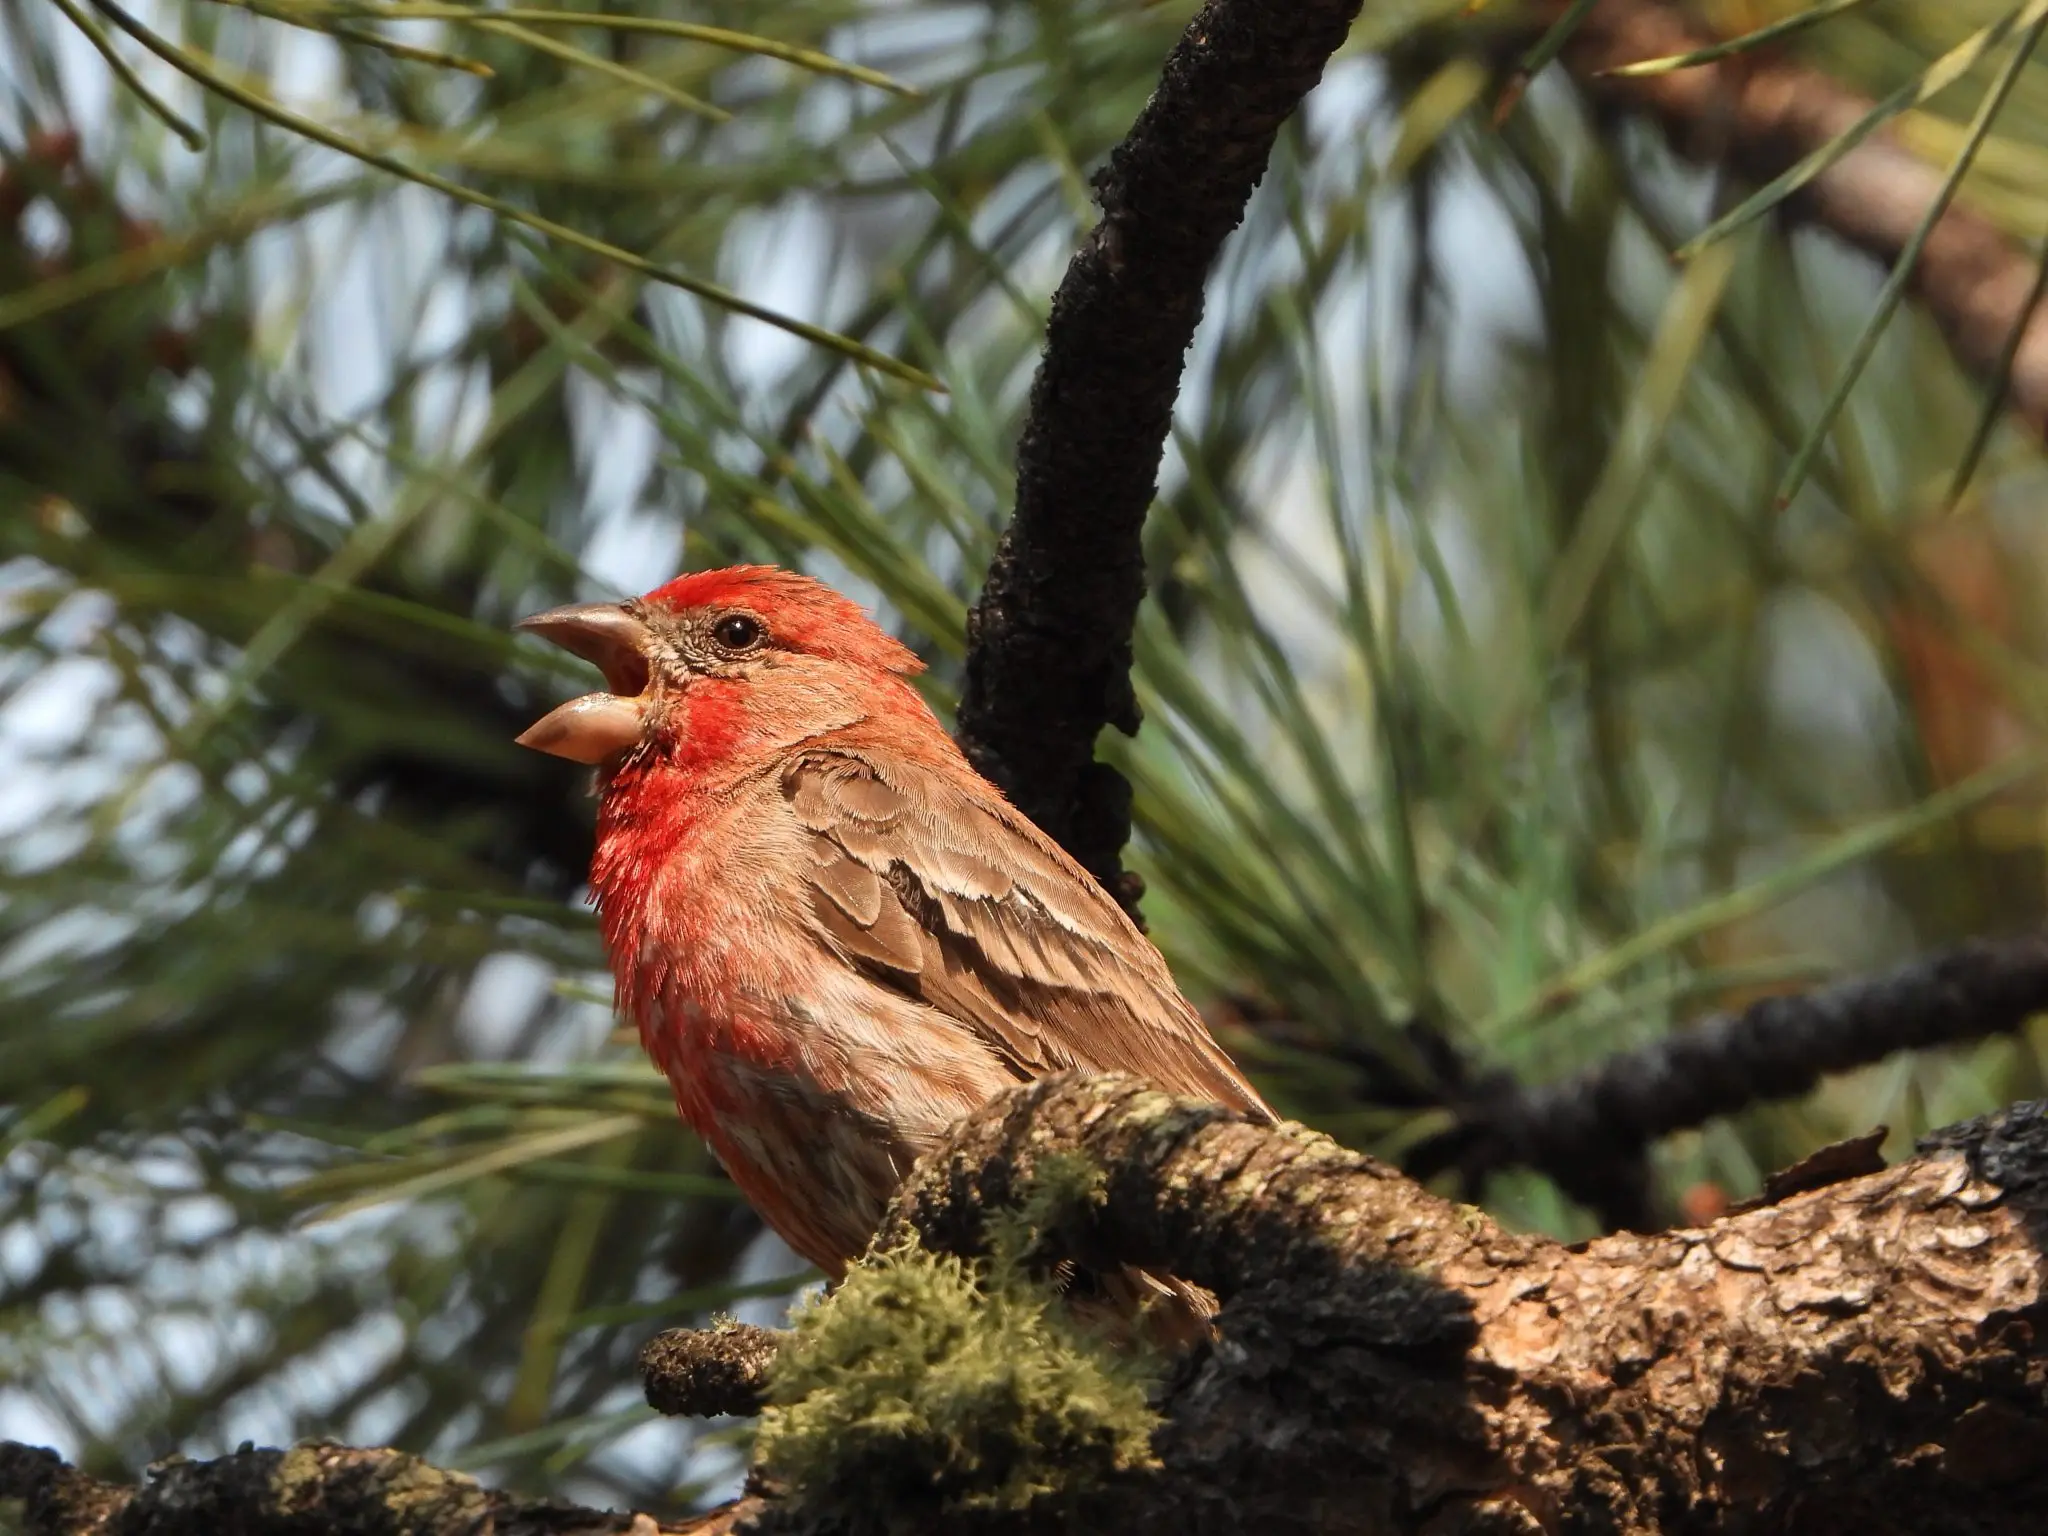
[1865,1355]
[928,1385]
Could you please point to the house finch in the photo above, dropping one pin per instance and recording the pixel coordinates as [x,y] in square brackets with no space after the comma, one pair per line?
[836,937]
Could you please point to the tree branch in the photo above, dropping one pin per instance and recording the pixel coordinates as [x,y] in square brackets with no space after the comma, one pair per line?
[1857,1357]
[310,1490]
[1049,651]
[1864,1356]
[1761,114]
[1577,1131]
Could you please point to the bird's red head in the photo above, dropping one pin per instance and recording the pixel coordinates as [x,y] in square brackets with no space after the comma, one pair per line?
[697,657]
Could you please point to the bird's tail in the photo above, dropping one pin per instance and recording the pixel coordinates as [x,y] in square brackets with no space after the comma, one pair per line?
[1136,1306]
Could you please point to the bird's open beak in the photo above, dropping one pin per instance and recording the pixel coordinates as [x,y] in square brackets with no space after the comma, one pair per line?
[598,725]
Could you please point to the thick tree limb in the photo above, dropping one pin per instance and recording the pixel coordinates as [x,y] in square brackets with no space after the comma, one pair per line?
[1577,1131]
[1865,1356]
[1861,1357]
[1049,651]
[1761,114]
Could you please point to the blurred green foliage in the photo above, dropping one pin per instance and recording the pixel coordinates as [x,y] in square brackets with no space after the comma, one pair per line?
[1487,683]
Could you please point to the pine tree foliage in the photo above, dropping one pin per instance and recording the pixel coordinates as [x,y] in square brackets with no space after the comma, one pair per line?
[1499,700]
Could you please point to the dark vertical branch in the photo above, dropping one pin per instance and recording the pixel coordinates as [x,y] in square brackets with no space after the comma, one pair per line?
[1049,651]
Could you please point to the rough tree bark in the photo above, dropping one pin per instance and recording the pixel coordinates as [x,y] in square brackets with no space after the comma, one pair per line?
[1863,1356]
[1866,1356]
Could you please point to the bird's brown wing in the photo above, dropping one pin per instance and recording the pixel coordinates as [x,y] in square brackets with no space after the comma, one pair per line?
[956,900]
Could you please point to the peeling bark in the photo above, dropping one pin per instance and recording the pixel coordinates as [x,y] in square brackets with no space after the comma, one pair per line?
[1863,1356]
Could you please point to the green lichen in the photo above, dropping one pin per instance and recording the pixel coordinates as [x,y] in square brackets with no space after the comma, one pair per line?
[298,1470]
[414,1495]
[925,1380]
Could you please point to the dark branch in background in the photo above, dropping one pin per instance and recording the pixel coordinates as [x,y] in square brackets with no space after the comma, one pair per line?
[1576,1130]
[1620,1192]
[1760,114]
[1049,640]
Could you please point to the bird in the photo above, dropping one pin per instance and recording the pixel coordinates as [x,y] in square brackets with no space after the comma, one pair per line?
[838,939]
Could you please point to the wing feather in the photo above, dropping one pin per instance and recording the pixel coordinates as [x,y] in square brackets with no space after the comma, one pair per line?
[955,900]
[854,889]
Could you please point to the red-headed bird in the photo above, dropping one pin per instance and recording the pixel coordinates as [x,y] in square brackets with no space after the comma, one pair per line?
[837,939]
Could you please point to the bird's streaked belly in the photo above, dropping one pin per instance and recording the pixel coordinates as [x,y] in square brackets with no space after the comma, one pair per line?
[818,1171]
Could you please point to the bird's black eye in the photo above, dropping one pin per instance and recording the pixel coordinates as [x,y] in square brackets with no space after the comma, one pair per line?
[737,632]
